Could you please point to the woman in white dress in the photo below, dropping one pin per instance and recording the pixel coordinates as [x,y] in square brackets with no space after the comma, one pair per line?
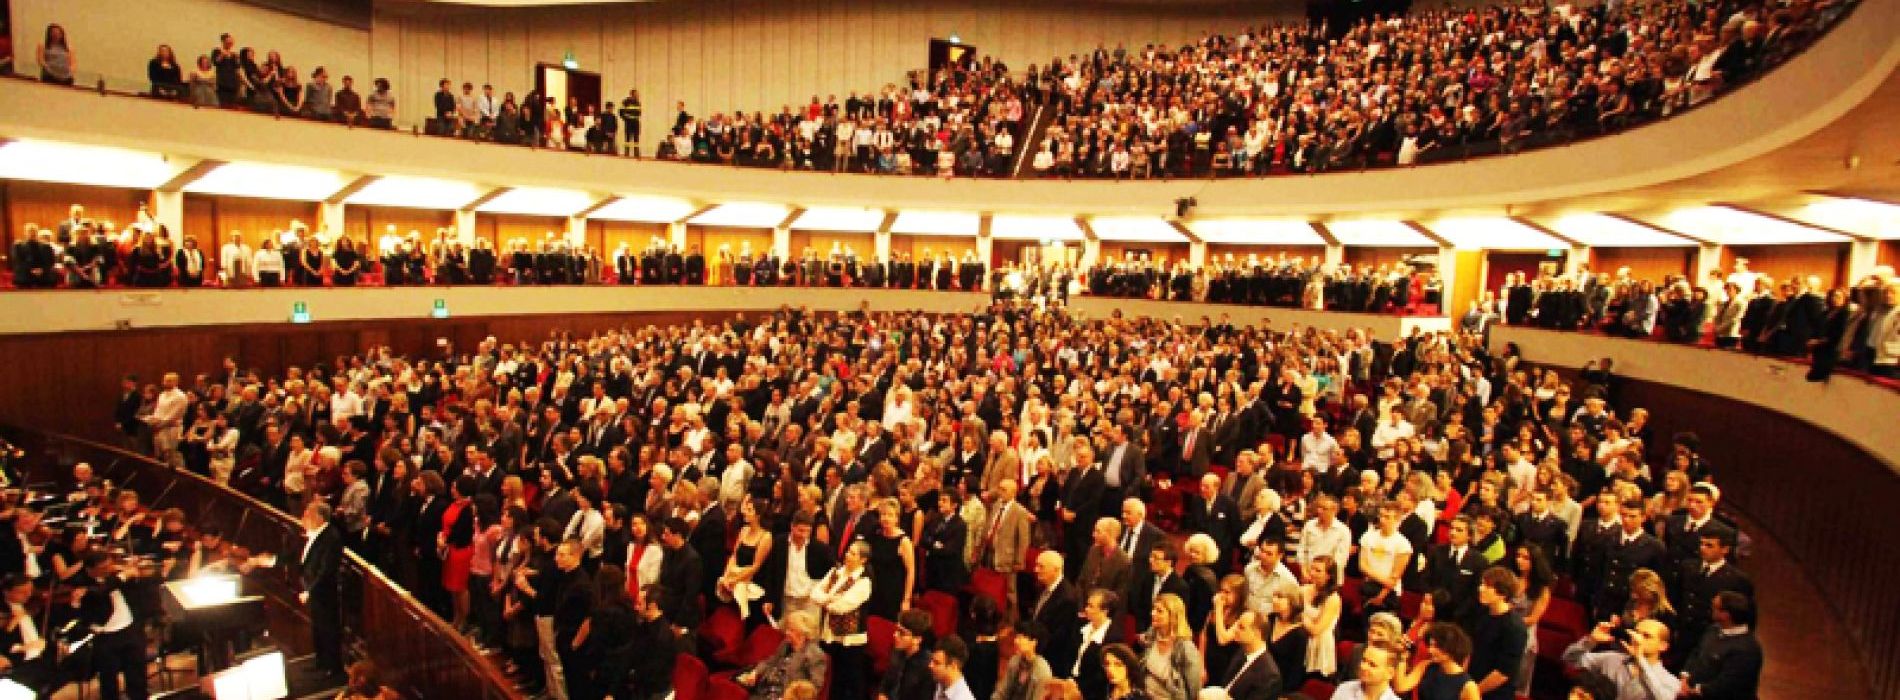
[1321,617]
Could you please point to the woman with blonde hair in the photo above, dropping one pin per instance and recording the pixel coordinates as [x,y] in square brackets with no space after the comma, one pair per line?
[1173,664]
[1649,600]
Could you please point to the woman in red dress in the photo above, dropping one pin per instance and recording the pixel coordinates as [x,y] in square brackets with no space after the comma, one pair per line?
[456,543]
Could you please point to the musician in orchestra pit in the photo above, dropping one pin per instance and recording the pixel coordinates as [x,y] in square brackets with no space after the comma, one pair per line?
[102,600]
[23,656]
[322,554]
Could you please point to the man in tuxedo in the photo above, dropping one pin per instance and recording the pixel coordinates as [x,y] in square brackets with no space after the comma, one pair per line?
[795,564]
[1082,500]
[1054,608]
[1210,512]
[317,567]
[1727,662]
[1106,567]
[1083,648]
[1633,548]
[1700,581]
[1454,567]
[681,570]
[1252,675]
[102,598]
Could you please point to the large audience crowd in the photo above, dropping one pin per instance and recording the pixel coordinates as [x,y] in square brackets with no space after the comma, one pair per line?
[1012,503]
[1407,89]
[1854,326]
[1308,97]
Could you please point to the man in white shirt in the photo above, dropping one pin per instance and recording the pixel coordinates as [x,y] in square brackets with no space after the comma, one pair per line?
[1377,665]
[1383,556]
[734,479]
[345,402]
[1324,534]
[586,524]
[234,261]
[1395,428]
[167,420]
[1317,448]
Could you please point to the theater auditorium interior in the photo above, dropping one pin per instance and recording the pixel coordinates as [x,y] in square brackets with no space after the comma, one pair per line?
[955,350]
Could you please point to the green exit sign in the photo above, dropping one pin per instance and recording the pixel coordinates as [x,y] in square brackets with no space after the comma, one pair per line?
[299,312]
[440,310]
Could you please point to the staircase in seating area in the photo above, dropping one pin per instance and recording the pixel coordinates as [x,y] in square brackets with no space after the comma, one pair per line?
[1031,139]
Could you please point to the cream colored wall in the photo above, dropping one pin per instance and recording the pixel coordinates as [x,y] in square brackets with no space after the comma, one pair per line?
[115,38]
[758,55]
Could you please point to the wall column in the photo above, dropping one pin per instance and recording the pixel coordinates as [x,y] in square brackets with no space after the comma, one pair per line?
[168,210]
[1862,257]
[880,245]
[782,243]
[330,220]
[1197,254]
[676,235]
[1708,259]
[1091,254]
[465,227]
[1573,262]
[1335,255]
[577,231]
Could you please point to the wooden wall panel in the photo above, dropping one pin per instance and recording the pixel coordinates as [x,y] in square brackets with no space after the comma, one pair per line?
[1783,262]
[1358,256]
[733,240]
[255,218]
[48,203]
[1890,253]
[1644,263]
[608,235]
[863,244]
[1117,251]
[1264,251]
[918,246]
[504,228]
[366,223]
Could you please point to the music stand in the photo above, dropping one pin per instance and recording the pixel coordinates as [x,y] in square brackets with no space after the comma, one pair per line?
[214,608]
[259,677]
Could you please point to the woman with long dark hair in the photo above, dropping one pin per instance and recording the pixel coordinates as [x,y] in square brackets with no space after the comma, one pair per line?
[56,57]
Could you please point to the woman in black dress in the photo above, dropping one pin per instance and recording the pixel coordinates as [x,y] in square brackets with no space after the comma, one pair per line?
[1286,636]
[606,638]
[893,570]
[349,263]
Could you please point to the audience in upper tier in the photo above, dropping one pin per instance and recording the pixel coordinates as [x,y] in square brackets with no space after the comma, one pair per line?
[1854,327]
[1433,85]
[900,494]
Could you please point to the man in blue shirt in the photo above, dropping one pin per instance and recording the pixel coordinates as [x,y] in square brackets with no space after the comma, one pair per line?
[946,665]
[1377,664]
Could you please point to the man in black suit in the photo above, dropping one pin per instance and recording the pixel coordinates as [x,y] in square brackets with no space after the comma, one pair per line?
[1053,607]
[1454,568]
[681,571]
[1252,675]
[1700,582]
[1633,548]
[23,643]
[708,536]
[1138,539]
[1160,579]
[875,447]
[1727,662]
[1081,504]
[317,567]
[813,558]
[1540,526]
[1212,513]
